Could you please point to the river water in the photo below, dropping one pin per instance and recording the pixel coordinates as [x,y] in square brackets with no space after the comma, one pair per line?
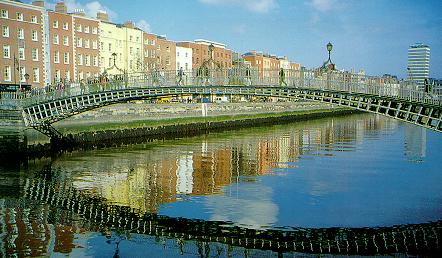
[358,171]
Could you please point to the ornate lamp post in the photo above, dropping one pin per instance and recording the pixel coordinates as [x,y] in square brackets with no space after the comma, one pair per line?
[211,48]
[329,49]
[26,77]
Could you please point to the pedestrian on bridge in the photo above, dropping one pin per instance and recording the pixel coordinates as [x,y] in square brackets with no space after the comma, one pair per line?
[282,77]
[60,87]
[199,76]
[82,86]
[206,76]
[180,77]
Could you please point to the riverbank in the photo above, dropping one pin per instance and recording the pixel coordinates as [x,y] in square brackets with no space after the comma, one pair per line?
[142,121]
[108,134]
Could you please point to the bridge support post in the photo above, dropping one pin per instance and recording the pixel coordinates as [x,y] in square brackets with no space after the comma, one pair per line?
[58,140]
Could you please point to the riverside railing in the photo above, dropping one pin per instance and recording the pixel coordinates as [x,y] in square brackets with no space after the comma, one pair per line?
[249,77]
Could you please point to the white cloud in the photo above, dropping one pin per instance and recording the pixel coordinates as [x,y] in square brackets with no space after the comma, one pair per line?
[239,28]
[144,25]
[259,6]
[323,5]
[90,8]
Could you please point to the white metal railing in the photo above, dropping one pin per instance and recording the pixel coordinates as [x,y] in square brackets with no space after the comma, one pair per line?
[311,79]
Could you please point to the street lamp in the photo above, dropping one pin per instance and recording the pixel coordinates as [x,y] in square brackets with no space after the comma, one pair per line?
[26,77]
[211,48]
[329,49]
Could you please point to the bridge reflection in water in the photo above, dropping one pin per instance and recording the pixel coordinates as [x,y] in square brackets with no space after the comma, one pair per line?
[67,200]
[98,215]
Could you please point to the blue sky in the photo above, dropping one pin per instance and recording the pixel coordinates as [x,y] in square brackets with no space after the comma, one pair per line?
[373,35]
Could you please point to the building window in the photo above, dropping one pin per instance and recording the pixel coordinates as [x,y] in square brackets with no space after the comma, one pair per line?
[35,54]
[86,43]
[94,30]
[79,28]
[67,75]
[57,75]
[35,75]
[21,33]
[34,35]
[7,72]
[138,39]
[19,16]
[131,50]
[130,38]
[55,24]
[56,57]
[88,74]
[65,26]
[88,60]
[66,58]
[66,40]
[22,72]
[21,53]
[79,42]
[80,59]
[5,13]
[80,75]
[95,44]
[110,62]
[110,47]
[5,31]
[95,60]
[86,29]
[6,51]
[34,19]
[56,40]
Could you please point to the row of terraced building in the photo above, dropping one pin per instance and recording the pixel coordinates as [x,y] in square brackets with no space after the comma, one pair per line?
[42,46]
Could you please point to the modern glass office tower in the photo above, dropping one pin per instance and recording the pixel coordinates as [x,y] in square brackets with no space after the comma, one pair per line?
[418,63]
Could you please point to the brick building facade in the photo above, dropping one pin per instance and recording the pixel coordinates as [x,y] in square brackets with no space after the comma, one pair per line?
[22,42]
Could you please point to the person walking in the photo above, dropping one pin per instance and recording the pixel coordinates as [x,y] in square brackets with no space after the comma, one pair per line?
[60,87]
[82,86]
[180,77]
[282,77]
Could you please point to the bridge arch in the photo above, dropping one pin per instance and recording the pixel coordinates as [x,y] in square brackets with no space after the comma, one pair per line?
[42,114]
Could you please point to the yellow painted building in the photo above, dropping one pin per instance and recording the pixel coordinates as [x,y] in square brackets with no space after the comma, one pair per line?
[124,44]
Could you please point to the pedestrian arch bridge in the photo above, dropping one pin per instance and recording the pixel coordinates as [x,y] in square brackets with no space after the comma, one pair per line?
[395,99]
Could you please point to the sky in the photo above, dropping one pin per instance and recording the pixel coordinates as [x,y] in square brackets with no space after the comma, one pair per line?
[370,35]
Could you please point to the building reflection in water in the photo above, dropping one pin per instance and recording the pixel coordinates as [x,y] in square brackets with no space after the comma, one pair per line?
[415,143]
[145,178]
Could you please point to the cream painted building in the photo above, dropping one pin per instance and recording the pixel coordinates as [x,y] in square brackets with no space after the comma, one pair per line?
[184,58]
[284,63]
[124,43]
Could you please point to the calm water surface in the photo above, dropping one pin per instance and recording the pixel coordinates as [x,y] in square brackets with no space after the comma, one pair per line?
[357,171]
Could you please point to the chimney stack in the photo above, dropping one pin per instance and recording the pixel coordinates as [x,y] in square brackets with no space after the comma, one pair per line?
[39,3]
[79,12]
[61,7]
[129,24]
[102,16]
